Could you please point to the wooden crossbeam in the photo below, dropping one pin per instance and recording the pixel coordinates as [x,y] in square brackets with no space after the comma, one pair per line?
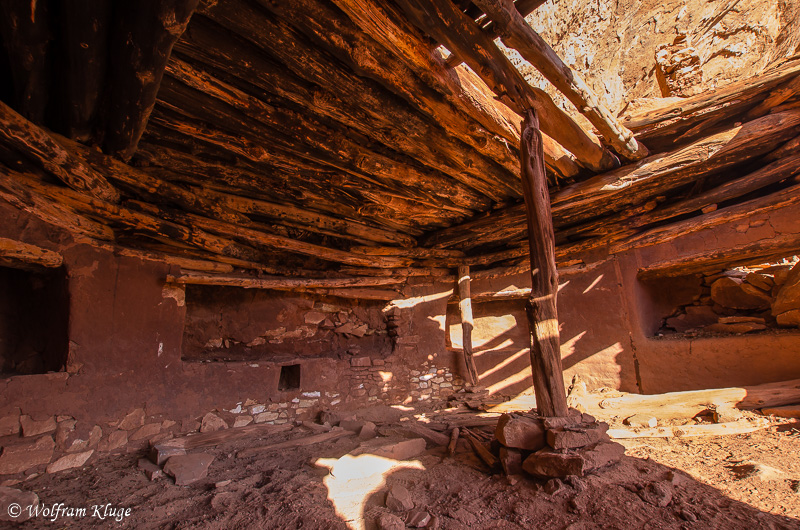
[17,251]
[444,22]
[516,33]
[251,282]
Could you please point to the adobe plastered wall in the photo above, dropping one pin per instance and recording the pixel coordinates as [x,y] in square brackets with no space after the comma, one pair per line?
[146,362]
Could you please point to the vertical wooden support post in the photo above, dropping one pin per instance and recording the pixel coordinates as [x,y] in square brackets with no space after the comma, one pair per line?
[548,381]
[465,307]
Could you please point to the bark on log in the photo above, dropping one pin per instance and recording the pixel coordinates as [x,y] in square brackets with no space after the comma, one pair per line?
[445,23]
[545,354]
[27,254]
[142,43]
[516,33]
[465,309]
[34,143]
[249,282]
[681,405]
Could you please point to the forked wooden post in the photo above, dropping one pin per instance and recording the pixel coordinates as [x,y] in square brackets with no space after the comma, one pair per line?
[465,307]
[548,382]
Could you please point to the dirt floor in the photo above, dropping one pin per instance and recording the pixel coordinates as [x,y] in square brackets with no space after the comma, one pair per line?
[730,482]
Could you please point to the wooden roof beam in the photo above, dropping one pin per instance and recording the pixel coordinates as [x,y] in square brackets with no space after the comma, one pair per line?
[142,43]
[461,87]
[516,33]
[444,22]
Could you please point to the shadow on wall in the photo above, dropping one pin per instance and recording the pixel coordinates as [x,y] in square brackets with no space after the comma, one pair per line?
[594,337]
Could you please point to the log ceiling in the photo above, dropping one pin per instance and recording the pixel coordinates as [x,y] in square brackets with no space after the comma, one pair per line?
[332,139]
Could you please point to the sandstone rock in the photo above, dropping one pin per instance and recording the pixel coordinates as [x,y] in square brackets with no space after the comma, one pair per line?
[581,435]
[186,469]
[761,281]
[519,432]
[241,421]
[146,431]
[418,518]
[601,455]
[641,420]
[9,424]
[360,362]
[695,317]
[549,464]
[115,440]
[788,297]
[789,318]
[211,422]
[398,499]
[402,450]
[741,327]
[574,417]
[740,319]
[263,417]
[15,505]
[70,461]
[657,493]
[21,457]
[388,521]
[368,431]
[732,293]
[134,420]
[553,486]
[333,418]
[352,425]
[511,459]
[151,471]
[159,454]
[314,317]
[31,427]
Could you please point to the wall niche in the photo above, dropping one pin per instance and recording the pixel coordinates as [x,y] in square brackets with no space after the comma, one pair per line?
[237,324]
[747,299]
[34,319]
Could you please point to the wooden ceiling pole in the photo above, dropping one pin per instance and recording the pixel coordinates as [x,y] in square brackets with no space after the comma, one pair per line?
[545,352]
[142,46]
[442,20]
[516,33]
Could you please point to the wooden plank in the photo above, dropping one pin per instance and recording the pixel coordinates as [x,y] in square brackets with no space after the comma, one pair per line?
[465,309]
[142,42]
[446,24]
[297,442]
[516,33]
[28,254]
[545,354]
[35,143]
[212,439]
[691,431]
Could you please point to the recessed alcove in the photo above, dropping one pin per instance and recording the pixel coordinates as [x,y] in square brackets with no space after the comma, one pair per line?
[34,317]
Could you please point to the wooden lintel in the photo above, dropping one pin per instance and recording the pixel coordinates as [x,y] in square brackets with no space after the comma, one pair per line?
[250,282]
[465,308]
[27,254]
[34,143]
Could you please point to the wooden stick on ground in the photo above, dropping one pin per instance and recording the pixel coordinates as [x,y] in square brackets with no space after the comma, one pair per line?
[488,458]
[688,431]
[451,447]
[297,442]
[210,439]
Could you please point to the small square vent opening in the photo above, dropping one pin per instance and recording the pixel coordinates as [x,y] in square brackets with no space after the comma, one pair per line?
[290,378]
